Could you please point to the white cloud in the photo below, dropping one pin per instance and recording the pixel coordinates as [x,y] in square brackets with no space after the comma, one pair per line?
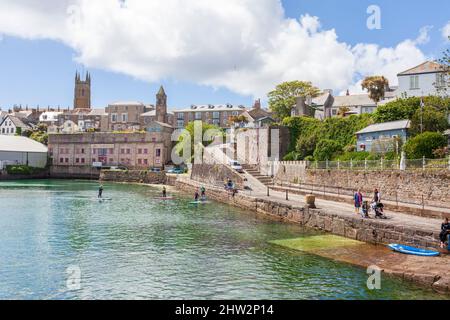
[446,31]
[247,46]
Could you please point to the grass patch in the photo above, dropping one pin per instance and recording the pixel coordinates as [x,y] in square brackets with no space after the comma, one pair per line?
[314,243]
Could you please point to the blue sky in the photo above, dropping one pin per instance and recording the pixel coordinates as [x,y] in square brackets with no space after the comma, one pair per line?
[41,71]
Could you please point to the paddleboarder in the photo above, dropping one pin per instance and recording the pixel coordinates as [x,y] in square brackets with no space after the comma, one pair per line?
[203,192]
[100,191]
[164,192]
[196,195]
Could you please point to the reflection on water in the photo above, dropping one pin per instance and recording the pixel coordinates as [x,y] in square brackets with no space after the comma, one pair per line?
[138,247]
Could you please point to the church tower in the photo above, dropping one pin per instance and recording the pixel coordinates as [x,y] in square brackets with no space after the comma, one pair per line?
[82,96]
[161,106]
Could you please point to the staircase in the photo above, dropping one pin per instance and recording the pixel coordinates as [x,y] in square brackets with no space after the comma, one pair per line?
[253,170]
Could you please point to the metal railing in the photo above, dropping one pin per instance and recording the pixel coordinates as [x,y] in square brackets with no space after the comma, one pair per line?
[410,164]
[395,197]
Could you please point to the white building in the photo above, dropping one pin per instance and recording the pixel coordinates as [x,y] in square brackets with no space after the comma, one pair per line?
[10,125]
[49,117]
[422,80]
[22,150]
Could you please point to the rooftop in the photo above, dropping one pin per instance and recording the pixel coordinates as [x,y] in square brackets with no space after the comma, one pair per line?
[426,67]
[20,144]
[386,126]
[353,100]
[212,107]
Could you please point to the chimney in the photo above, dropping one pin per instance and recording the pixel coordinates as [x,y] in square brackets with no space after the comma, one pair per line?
[348,92]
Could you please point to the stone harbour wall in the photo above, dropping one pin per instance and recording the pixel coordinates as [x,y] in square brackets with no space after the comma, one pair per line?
[371,231]
[74,172]
[137,176]
[215,174]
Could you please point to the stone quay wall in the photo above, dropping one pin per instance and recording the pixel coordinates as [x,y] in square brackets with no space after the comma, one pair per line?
[370,231]
[411,186]
[137,176]
[215,174]
[5,176]
[74,172]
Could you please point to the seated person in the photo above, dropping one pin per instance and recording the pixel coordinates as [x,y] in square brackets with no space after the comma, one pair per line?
[445,231]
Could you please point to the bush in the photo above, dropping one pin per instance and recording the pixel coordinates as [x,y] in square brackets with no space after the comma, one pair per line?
[23,170]
[424,144]
[326,149]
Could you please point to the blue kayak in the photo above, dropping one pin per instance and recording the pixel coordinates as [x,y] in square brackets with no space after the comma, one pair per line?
[414,251]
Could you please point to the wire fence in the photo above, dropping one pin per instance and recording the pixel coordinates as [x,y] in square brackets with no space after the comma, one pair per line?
[408,164]
[396,197]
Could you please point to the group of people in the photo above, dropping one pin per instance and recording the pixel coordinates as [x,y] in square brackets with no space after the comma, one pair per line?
[362,207]
[445,232]
[200,194]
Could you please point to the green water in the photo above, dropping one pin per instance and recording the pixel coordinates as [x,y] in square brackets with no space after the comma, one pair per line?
[138,247]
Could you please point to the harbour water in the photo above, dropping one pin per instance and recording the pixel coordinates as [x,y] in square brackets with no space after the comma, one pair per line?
[58,241]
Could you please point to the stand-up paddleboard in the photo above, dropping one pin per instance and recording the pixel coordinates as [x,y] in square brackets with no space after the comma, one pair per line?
[413,250]
[165,198]
[199,202]
[104,199]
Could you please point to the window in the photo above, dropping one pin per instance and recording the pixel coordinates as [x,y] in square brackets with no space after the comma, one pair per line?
[114,117]
[216,115]
[235,113]
[128,151]
[83,160]
[139,151]
[77,160]
[180,116]
[198,116]
[216,122]
[180,123]
[158,152]
[124,117]
[414,82]
[145,151]
[440,80]
[145,161]
[82,151]
[139,161]
[67,160]
[61,160]
[333,112]
[111,151]
[122,151]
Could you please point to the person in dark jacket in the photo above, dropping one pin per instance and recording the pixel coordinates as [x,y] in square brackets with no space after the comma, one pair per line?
[445,230]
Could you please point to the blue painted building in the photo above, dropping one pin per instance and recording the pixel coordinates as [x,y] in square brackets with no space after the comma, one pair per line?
[380,134]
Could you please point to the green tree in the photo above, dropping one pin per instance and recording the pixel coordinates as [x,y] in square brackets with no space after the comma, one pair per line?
[376,86]
[431,119]
[18,131]
[401,109]
[423,145]
[187,139]
[327,149]
[444,61]
[284,97]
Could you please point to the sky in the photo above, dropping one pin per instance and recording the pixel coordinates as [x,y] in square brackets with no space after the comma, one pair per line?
[208,51]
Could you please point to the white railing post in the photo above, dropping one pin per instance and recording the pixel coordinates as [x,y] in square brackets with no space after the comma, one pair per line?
[351,163]
[381,163]
[365,164]
[339,164]
[327,164]
[423,163]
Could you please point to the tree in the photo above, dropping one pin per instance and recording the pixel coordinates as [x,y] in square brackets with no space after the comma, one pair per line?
[38,133]
[376,86]
[326,149]
[342,111]
[401,109]
[238,119]
[187,139]
[445,63]
[423,145]
[18,131]
[284,97]
[431,119]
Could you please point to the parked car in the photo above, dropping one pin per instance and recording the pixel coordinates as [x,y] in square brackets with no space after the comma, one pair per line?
[176,171]
[155,170]
[118,168]
[236,166]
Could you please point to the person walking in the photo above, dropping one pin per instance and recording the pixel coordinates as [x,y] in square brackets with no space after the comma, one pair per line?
[376,196]
[358,199]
